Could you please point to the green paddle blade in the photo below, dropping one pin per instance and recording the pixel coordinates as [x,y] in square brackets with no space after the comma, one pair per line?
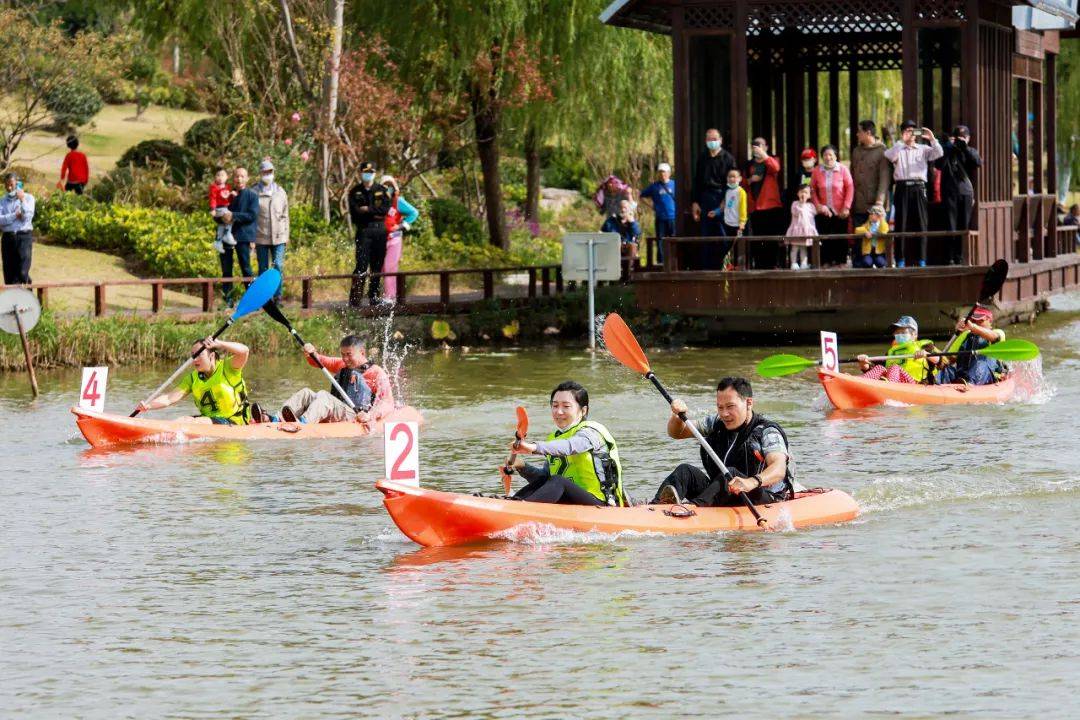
[780,365]
[1016,350]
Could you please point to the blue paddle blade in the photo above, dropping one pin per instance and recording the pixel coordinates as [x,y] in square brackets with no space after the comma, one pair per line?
[264,288]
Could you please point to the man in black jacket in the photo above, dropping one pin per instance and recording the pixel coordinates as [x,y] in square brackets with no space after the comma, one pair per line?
[243,214]
[368,204]
[710,185]
[957,168]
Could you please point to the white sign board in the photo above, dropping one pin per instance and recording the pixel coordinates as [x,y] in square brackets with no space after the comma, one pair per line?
[607,256]
[401,452]
[830,351]
[92,388]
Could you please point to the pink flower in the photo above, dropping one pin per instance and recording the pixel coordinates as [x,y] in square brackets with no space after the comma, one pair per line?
[296,117]
[288,141]
[305,156]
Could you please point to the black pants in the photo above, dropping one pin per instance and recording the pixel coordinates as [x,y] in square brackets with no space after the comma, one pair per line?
[767,255]
[694,485]
[833,252]
[664,229]
[958,219]
[909,199]
[76,188]
[370,253]
[16,248]
[557,489]
[243,257]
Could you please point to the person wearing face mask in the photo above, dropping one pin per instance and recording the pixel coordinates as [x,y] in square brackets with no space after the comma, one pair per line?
[753,447]
[957,167]
[272,223]
[16,231]
[911,163]
[399,218]
[709,188]
[243,216]
[767,214]
[918,369]
[731,212]
[582,465]
[832,191]
[369,202]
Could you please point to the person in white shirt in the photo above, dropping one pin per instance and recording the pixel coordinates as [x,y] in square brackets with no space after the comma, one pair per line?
[911,161]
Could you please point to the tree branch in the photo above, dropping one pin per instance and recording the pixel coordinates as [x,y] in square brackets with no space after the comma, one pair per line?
[298,65]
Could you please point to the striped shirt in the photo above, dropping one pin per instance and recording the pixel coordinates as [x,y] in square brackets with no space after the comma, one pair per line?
[911,162]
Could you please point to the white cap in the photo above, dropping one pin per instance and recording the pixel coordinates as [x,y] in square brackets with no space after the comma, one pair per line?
[387,179]
[663,167]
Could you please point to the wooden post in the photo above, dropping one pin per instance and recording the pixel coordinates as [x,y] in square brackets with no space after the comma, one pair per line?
[910,67]
[680,62]
[1037,173]
[43,296]
[305,293]
[738,144]
[444,287]
[813,107]
[207,296]
[532,282]
[1023,253]
[156,297]
[1050,78]
[26,351]
[834,107]
[815,254]
[558,281]
[99,300]
[853,103]
[545,281]
[489,284]
[401,289]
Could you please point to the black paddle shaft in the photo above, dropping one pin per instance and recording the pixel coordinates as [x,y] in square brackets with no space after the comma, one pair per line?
[274,312]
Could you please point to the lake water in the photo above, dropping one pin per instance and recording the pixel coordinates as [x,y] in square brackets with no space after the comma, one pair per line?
[266,581]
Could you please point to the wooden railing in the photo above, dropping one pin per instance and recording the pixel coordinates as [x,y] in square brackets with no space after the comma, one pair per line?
[542,281]
[1036,231]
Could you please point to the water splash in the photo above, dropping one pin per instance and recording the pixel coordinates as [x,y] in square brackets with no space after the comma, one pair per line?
[1032,387]
[783,522]
[394,350]
[544,534]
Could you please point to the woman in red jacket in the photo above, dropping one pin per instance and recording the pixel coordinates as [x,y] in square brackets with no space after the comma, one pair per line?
[832,191]
[767,214]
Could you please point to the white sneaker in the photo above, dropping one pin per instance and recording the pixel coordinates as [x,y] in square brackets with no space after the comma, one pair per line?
[219,247]
[229,239]
[805,265]
[794,265]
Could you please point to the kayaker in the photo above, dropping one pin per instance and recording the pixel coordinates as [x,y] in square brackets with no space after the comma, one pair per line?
[754,448]
[974,335]
[917,369]
[367,385]
[582,466]
[216,385]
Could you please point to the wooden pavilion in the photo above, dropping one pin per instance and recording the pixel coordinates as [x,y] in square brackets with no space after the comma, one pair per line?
[755,68]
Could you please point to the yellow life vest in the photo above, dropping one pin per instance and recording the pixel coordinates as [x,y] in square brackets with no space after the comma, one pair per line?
[222,394]
[581,468]
[917,368]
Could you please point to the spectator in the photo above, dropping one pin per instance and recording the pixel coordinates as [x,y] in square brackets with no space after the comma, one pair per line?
[242,216]
[710,186]
[272,223]
[767,216]
[16,231]
[369,202]
[731,212]
[610,193]
[872,244]
[869,172]
[801,229]
[75,170]
[910,164]
[624,223]
[807,163]
[1072,219]
[398,219]
[221,194]
[662,196]
[957,167]
[832,191]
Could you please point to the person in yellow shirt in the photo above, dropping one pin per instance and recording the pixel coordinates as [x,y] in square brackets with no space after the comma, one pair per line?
[732,212]
[872,248]
[216,385]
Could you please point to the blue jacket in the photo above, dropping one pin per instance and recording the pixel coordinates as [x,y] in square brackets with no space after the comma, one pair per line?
[245,211]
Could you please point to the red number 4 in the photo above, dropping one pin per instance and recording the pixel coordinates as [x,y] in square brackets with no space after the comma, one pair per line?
[396,473]
[90,392]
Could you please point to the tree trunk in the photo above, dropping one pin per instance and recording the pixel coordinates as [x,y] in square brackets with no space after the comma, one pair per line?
[532,173]
[330,102]
[298,64]
[486,122]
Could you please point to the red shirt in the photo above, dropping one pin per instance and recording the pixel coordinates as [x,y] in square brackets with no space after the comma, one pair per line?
[220,195]
[375,377]
[75,168]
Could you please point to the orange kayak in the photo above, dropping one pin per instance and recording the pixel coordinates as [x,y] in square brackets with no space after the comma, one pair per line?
[853,391]
[103,429]
[435,518]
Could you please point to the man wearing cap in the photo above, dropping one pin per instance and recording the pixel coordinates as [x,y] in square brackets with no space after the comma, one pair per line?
[906,341]
[272,223]
[662,196]
[973,335]
[958,166]
[911,162]
[16,231]
[368,204]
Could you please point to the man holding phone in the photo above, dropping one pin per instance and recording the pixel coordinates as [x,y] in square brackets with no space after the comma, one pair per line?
[911,161]
[16,231]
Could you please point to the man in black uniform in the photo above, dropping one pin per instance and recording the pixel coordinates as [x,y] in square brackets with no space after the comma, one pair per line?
[368,204]
[754,449]
[710,185]
[958,166]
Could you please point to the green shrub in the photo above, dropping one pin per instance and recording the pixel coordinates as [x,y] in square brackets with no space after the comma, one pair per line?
[453,221]
[181,162]
[74,103]
[216,137]
[149,187]
[116,90]
[565,169]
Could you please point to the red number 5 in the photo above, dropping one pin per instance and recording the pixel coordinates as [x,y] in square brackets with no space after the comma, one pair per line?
[396,473]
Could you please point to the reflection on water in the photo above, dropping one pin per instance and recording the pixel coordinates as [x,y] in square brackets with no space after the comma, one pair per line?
[266,580]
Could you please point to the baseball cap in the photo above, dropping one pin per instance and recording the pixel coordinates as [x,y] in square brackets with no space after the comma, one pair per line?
[386,179]
[663,167]
[266,165]
[982,313]
[808,154]
[367,166]
[908,125]
[878,210]
[905,321]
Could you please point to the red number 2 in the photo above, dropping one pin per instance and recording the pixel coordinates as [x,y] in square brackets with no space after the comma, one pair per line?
[396,473]
[90,392]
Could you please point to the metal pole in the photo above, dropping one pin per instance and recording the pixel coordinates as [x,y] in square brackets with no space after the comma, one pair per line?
[26,350]
[592,302]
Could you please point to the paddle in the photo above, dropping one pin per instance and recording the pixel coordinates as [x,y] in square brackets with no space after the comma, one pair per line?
[519,435]
[624,347]
[260,291]
[274,311]
[991,286]
[1015,350]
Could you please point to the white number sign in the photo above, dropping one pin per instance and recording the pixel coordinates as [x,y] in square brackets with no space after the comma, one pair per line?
[92,392]
[830,351]
[401,452]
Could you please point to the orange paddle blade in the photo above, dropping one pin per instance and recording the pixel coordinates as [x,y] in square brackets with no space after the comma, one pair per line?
[622,344]
[522,423]
[506,480]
